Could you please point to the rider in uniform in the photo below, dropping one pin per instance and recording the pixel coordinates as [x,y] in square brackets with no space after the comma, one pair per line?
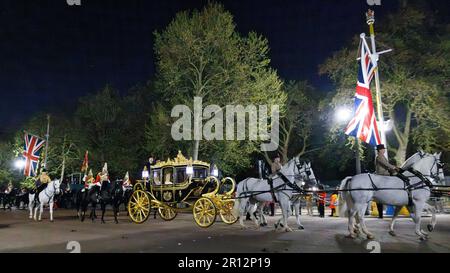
[126,185]
[102,177]
[9,188]
[42,181]
[89,181]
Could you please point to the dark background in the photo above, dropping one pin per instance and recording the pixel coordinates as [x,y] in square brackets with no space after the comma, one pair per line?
[52,53]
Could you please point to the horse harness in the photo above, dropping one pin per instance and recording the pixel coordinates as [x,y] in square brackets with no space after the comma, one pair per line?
[423,183]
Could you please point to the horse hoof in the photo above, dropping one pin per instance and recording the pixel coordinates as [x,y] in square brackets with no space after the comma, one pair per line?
[370,237]
[392,233]
[51,221]
[430,227]
[301,227]
[288,229]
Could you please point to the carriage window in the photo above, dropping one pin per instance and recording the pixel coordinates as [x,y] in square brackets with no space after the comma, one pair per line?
[181,175]
[168,176]
[156,174]
[200,173]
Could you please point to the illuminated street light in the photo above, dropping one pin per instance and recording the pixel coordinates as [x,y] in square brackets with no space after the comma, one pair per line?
[19,164]
[343,114]
[388,124]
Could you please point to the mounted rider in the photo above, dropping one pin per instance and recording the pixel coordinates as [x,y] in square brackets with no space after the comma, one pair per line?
[9,188]
[102,176]
[126,185]
[88,181]
[42,181]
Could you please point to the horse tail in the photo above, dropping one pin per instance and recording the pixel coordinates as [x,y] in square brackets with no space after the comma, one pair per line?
[239,190]
[343,196]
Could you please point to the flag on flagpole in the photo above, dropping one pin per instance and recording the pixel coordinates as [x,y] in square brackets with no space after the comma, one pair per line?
[85,165]
[31,153]
[363,125]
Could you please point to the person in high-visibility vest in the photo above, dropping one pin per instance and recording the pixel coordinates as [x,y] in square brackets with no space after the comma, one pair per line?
[333,203]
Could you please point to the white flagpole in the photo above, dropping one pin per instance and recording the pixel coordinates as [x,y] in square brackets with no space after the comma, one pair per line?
[370,16]
[46,141]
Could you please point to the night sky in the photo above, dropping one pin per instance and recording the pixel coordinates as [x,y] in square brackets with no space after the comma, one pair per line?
[52,53]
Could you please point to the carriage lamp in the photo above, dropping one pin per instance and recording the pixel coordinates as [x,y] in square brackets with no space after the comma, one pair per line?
[215,171]
[303,183]
[189,170]
[145,173]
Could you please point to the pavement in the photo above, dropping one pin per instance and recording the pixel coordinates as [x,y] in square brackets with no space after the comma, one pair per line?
[182,235]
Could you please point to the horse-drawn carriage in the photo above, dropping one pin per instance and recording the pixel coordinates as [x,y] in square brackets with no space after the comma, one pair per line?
[180,185]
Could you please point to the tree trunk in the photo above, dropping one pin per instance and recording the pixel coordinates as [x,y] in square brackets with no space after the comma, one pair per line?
[400,156]
[63,166]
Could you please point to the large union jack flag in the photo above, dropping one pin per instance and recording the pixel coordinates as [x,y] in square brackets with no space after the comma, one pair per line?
[363,124]
[33,146]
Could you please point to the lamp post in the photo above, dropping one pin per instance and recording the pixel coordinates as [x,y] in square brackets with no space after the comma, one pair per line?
[342,115]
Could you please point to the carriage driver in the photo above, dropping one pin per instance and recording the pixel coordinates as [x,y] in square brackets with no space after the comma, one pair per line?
[383,167]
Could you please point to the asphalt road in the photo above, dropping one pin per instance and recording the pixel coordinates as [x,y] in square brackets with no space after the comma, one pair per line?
[182,235]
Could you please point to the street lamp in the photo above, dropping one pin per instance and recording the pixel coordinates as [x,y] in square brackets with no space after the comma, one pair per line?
[343,114]
[19,164]
[388,124]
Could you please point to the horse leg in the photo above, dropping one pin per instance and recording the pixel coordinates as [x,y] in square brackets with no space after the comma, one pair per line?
[51,211]
[431,209]
[394,217]
[297,214]
[251,211]
[36,207]
[41,209]
[30,208]
[285,203]
[351,223]
[260,209]
[103,206]
[418,208]
[242,212]
[361,211]
[116,212]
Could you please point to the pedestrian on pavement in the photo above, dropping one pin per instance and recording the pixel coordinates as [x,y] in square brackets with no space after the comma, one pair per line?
[333,203]
[321,202]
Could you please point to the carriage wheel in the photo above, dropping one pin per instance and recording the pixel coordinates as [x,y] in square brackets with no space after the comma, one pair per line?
[204,212]
[139,206]
[226,212]
[167,213]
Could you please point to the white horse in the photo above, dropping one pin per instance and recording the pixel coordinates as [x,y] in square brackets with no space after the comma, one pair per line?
[258,191]
[359,190]
[45,197]
[308,180]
